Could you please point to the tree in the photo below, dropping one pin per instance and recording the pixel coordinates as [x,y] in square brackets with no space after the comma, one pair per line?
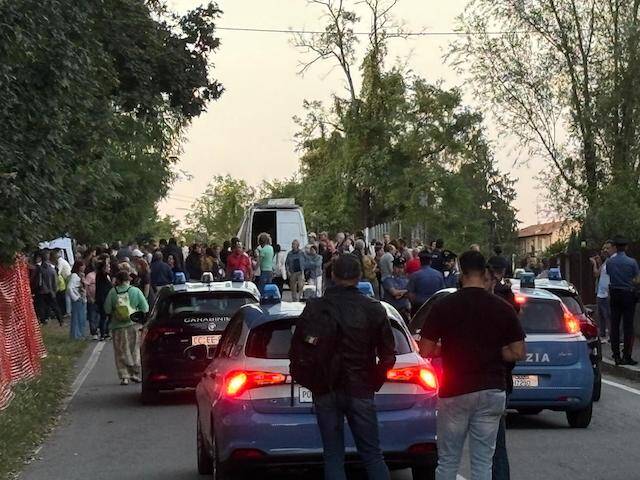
[563,77]
[217,214]
[95,97]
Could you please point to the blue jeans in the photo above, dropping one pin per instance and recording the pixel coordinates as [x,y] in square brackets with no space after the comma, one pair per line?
[500,458]
[264,279]
[477,415]
[604,315]
[78,319]
[331,410]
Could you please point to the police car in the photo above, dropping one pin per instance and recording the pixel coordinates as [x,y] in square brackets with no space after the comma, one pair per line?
[186,315]
[557,373]
[251,416]
[571,299]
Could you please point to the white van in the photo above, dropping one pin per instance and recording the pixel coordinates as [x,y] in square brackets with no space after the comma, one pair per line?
[65,244]
[279,217]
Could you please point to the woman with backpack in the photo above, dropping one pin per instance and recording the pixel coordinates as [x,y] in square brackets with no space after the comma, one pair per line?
[123,301]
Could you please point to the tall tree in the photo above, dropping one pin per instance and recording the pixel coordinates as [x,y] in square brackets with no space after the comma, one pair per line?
[95,97]
[563,77]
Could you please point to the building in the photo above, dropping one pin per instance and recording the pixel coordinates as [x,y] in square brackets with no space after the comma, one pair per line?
[534,240]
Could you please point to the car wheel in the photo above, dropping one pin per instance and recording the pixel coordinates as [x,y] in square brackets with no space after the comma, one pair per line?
[423,473]
[529,411]
[205,462]
[148,394]
[597,383]
[580,418]
[217,469]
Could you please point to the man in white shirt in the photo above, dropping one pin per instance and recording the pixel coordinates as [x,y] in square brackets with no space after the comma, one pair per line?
[599,263]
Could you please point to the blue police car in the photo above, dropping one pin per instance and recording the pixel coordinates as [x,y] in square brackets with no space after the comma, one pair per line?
[557,373]
[251,416]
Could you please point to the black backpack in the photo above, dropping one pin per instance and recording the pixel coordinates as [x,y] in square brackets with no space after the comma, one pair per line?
[314,353]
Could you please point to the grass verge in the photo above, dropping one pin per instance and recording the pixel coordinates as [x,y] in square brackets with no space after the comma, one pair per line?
[36,404]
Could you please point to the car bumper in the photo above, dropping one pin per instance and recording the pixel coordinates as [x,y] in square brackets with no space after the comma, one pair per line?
[171,373]
[560,388]
[293,439]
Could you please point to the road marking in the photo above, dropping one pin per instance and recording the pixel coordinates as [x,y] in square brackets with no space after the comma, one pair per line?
[621,387]
[84,373]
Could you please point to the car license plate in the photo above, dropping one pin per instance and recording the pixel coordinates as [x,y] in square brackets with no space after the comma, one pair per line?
[525,381]
[305,395]
[209,340]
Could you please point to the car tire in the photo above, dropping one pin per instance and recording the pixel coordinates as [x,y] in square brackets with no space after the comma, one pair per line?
[218,471]
[205,462]
[423,473]
[529,411]
[580,418]
[597,383]
[148,394]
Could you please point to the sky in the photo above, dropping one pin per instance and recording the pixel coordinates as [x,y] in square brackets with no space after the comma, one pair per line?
[249,132]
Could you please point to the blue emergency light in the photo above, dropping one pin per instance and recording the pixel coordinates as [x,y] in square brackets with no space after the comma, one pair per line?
[270,295]
[527,280]
[554,274]
[237,276]
[179,278]
[366,289]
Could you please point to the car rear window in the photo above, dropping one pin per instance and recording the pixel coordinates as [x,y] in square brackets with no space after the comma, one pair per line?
[570,301]
[542,316]
[272,340]
[219,303]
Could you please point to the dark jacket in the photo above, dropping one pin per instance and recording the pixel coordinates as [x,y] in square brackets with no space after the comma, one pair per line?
[193,265]
[365,332]
[176,251]
[161,274]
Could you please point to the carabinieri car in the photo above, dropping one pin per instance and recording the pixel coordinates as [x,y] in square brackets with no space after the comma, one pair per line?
[185,315]
[557,373]
[251,415]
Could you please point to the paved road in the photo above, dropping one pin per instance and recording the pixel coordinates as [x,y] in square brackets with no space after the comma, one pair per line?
[106,434]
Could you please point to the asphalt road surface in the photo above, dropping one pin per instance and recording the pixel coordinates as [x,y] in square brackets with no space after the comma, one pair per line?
[106,434]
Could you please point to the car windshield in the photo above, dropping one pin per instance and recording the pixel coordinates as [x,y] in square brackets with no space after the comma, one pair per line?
[219,303]
[272,340]
[542,316]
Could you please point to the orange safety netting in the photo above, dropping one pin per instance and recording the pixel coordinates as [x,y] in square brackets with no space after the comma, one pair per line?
[21,345]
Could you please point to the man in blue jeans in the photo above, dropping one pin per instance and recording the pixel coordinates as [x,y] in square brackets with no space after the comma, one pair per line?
[365,332]
[475,332]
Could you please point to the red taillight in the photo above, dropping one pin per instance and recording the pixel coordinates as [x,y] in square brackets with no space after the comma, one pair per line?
[571,323]
[520,299]
[236,383]
[588,329]
[247,454]
[420,375]
[156,332]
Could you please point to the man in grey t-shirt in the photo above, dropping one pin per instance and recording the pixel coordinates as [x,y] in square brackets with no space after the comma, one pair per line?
[386,262]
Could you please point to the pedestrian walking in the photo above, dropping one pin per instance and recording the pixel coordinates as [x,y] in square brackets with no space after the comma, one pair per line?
[624,276]
[295,264]
[424,283]
[93,317]
[333,353]
[123,301]
[103,287]
[265,260]
[78,297]
[476,333]
[599,264]
[46,280]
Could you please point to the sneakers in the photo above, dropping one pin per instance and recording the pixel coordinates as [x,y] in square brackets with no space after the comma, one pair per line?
[95,337]
[125,381]
[617,360]
[628,361]
[136,379]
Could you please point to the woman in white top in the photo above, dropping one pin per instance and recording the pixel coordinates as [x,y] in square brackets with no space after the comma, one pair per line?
[78,297]
[279,267]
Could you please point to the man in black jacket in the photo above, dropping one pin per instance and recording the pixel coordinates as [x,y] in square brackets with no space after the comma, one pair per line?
[364,333]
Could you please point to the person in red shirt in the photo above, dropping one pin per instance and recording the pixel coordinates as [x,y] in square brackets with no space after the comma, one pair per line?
[239,260]
[413,265]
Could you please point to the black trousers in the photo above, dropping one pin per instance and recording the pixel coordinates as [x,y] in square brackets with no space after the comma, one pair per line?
[623,309]
[45,303]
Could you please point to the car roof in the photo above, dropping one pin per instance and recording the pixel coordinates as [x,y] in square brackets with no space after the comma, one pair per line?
[226,286]
[256,315]
[547,284]
[539,293]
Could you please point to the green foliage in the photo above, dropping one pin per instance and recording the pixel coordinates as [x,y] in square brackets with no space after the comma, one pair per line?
[556,248]
[36,405]
[95,96]
[569,89]
[217,214]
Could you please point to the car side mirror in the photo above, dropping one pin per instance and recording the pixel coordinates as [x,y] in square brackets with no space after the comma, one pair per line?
[196,352]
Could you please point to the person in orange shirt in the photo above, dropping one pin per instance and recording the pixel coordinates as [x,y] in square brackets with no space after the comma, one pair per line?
[239,260]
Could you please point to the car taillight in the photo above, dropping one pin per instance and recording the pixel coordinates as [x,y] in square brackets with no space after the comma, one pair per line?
[155,333]
[588,329]
[236,383]
[571,323]
[520,299]
[420,375]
